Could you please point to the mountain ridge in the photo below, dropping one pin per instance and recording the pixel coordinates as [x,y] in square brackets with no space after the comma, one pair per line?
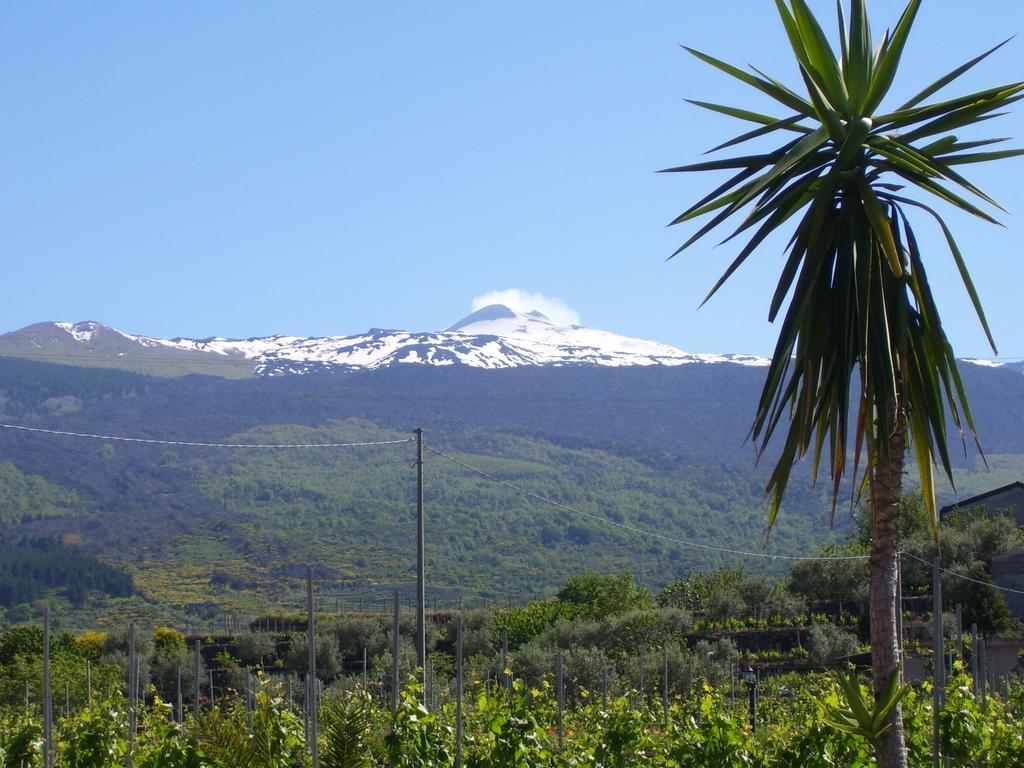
[491,337]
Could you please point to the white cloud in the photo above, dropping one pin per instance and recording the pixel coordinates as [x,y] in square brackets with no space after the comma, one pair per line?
[556,310]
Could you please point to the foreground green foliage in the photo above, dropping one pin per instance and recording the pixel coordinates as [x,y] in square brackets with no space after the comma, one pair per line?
[271,736]
[862,716]
[601,624]
[706,730]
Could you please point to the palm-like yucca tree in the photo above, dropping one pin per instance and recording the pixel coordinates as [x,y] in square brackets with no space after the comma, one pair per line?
[862,357]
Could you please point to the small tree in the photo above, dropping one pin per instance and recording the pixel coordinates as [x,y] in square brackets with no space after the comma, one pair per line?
[593,596]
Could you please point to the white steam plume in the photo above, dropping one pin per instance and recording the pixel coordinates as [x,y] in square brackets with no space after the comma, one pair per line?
[556,310]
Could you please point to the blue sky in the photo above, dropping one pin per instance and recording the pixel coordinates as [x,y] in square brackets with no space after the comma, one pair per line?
[319,168]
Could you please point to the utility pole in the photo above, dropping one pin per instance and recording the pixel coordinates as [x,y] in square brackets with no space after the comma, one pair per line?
[395,629]
[47,698]
[959,632]
[421,595]
[133,691]
[196,680]
[938,659]
[560,691]
[641,677]
[604,689]
[506,673]
[458,694]
[975,648]
[312,708]
[664,685]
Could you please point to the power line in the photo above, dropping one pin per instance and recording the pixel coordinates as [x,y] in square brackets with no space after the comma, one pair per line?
[965,578]
[631,528]
[192,444]
[482,473]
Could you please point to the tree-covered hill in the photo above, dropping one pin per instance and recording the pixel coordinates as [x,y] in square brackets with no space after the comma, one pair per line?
[24,498]
[662,450]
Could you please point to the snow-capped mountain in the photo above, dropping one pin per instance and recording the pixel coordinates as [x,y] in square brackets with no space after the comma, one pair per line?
[492,337]
[984,362]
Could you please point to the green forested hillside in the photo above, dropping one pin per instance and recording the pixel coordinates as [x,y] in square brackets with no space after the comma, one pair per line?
[206,529]
[237,528]
[354,509]
[24,498]
[31,569]
[32,388]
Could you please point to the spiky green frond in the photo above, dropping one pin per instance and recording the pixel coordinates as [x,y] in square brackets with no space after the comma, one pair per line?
[861,335]
[858,714]
[274,738]
[344,732]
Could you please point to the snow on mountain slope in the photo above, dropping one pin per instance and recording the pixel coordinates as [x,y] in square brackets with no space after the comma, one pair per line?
[983,362]
[492,337]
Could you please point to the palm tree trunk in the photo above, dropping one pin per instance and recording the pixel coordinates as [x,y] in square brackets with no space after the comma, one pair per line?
[886,489]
